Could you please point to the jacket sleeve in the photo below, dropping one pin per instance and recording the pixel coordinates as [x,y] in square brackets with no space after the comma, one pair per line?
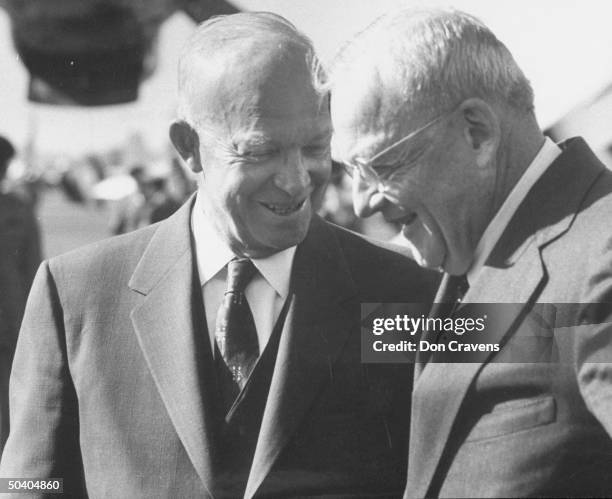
[44,438]
[593,342]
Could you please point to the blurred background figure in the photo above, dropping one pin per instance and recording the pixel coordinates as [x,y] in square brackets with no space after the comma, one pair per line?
[19,259]
[151,202]
[337,204]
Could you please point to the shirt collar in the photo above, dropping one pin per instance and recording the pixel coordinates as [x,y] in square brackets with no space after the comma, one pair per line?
[213,254]
[546,155]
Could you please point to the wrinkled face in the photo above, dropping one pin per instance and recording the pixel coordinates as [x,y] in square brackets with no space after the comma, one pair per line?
[265,156]
[432,186]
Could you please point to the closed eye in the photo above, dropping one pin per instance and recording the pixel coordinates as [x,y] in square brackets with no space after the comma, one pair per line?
[254,148]
[406,163]
[316,150]
[384,171]
[257,155]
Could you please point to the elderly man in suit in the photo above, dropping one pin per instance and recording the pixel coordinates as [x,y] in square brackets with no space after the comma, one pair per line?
[435,122]
[217,353]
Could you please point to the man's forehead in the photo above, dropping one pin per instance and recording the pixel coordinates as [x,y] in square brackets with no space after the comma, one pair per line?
[364,134]
[274,130]
[272,82]
[363,105]
[369,117]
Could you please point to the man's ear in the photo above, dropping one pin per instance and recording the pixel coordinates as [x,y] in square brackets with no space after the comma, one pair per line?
[481,129]
[187,142]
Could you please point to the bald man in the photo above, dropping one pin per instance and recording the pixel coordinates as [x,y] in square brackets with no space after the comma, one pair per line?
[134,378]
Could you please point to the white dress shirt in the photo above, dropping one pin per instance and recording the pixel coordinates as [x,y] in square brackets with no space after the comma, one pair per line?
[546,155]
[267,291]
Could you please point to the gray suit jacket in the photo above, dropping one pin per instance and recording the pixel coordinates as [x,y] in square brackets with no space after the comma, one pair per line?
[113,376]
[540,428]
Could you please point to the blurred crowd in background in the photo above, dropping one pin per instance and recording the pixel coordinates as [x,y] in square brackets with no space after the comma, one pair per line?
[132,189]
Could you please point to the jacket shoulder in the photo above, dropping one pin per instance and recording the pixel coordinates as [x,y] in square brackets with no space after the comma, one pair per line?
[385,271]
[102,259]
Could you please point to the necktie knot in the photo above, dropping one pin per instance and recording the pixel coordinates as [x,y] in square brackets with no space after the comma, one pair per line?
[240,271]
[454,288]
[458,286]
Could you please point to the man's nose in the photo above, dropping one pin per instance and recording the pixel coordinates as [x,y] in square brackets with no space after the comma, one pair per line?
[293,176]
[366,198]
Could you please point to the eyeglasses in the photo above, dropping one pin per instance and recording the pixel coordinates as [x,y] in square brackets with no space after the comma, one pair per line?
[367,172]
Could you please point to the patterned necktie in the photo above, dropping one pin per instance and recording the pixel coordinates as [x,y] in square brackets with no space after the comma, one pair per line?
[235,331]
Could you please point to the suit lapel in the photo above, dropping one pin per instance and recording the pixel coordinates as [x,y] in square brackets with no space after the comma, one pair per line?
[441,387]
[171,331]
[514,274]
[317,326]
[437,310]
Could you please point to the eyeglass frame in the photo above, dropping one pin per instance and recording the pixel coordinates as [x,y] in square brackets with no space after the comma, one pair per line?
[366,171]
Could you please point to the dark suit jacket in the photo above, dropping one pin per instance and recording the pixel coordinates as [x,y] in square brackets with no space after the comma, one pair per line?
[111,380]
[19,259]
[542,428]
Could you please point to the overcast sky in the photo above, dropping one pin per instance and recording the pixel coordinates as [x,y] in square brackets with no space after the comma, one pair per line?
[562,45]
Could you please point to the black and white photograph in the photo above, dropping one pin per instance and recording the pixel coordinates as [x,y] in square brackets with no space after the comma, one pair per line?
[284,249]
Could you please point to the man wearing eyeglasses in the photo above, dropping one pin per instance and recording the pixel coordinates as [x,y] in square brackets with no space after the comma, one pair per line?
[435,122]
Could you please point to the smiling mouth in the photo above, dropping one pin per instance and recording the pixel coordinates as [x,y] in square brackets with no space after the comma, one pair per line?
[283,209]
